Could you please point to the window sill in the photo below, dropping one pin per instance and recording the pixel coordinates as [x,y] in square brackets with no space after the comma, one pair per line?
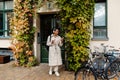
[100,39]
[2,38]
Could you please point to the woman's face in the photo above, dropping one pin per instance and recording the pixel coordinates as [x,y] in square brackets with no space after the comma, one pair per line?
[56,32]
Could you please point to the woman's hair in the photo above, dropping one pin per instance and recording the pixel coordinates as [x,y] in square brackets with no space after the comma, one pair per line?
[54,29]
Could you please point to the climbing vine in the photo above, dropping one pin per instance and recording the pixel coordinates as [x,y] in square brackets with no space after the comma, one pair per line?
[76,16]
[22,32]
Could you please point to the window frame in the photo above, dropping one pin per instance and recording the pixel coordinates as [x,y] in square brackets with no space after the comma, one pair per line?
[5,29]
[105,37]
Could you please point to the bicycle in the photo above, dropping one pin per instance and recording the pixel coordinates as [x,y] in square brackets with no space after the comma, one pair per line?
[98,67]
[114,66]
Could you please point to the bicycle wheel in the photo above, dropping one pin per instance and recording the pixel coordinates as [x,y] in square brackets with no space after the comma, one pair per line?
[85,74]
[113,70]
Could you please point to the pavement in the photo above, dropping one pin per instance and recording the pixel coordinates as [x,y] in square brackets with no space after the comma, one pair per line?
[40,72]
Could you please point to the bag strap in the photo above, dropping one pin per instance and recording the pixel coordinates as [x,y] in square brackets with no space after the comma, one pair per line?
[50,37]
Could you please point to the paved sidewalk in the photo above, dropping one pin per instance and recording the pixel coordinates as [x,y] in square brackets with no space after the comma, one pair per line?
[9,72]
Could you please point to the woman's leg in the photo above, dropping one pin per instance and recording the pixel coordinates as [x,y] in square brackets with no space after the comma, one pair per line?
[56,71]
[50,70]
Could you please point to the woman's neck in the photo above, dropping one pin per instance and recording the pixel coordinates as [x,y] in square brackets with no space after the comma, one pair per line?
[55,35]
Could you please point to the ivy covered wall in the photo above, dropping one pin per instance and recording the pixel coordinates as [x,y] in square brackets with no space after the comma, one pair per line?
[22,32]
[76,16]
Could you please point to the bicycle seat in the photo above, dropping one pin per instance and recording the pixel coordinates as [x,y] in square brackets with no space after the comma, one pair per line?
[97,55]
[108,54]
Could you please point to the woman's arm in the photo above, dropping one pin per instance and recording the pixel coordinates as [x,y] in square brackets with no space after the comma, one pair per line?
[48,41]
[61,41]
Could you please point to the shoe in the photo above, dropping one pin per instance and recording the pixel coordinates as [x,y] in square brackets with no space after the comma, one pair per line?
[57,74]
[50,72]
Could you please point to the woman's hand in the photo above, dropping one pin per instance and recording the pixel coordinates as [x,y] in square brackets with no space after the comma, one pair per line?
[53,41]
[62,39]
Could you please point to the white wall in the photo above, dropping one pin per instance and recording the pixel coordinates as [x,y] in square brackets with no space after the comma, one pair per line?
[36,45]
[5,43]
[113,17]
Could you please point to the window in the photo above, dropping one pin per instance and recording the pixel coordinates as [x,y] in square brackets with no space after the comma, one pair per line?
[100,21]
[6,8]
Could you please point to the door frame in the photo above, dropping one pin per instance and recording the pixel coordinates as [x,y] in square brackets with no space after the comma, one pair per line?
[53,13]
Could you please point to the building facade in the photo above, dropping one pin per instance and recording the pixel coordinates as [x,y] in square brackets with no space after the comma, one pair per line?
[105,25]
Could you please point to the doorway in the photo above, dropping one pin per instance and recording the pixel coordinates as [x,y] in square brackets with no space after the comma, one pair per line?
[47,23]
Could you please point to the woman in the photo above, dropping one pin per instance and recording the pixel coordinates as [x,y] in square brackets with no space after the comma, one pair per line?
[54,42]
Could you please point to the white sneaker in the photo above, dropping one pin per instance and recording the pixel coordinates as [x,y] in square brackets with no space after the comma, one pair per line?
[57,74]
[50,72]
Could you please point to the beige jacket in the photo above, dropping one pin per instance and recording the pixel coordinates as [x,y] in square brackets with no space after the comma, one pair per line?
[55,58]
